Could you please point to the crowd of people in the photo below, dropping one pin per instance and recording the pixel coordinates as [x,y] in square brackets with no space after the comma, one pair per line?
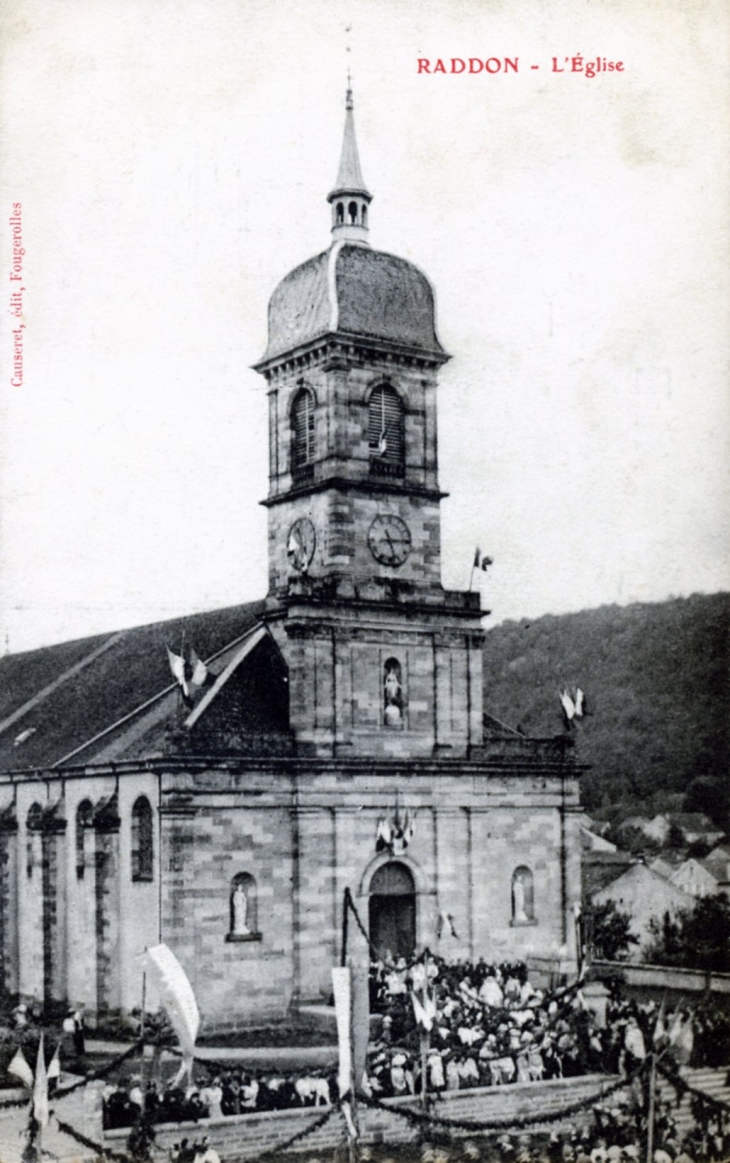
[230,1092]
[488,1027]
[476,1025]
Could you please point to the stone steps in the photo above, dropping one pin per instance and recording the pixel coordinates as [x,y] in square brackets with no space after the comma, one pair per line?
[711,1082]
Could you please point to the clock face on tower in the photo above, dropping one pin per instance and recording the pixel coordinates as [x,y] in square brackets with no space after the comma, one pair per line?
[300,544]
[389,539]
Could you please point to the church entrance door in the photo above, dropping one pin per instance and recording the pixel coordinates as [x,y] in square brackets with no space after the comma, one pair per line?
[393,910]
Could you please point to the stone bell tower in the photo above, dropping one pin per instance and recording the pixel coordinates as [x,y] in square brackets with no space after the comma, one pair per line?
[382,660]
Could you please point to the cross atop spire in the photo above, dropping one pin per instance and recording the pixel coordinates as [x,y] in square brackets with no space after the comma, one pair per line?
[350,197]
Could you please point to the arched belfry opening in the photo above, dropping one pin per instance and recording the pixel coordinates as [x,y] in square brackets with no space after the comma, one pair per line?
[392,910]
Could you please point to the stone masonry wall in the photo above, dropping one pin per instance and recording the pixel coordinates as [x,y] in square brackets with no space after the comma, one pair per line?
[244,1137]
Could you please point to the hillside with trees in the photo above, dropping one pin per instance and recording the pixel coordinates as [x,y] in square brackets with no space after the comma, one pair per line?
[657,683]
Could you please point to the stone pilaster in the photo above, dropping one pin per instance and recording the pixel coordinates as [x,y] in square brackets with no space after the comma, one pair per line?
[107,824]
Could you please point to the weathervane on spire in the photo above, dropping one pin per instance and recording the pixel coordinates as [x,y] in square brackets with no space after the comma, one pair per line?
[348,30]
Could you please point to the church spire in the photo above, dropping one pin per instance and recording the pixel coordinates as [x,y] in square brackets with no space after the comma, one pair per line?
[350,197]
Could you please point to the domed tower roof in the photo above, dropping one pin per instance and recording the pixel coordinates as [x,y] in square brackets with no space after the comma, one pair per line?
[356,291]
[352,290]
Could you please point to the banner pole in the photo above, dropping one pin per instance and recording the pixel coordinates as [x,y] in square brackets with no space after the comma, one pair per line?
[345,911]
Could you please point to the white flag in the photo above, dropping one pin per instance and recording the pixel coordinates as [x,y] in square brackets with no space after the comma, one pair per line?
[681,1039]
[20,1068]
[198,668]
[40,1088]
[424,1014]
[177,666]
[54,1066]
[176,996]
[341,987]
[568,706]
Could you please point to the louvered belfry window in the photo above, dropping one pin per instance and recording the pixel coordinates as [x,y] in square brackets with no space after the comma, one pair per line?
[385,432]
[302,433]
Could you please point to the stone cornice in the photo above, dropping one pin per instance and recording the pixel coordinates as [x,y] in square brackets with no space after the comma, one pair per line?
[350,348]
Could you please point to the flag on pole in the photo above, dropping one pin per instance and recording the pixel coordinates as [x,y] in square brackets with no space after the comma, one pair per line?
[481,561]
[446,922]
[568,706]
[198,669]
[54,1066]
[660,1028]
[425,1013]
[177,999]
[188,670]
[341,988]
[24,735]
[383,834]
[40,1088]
[18,1066]
[177,666]
[681,1039]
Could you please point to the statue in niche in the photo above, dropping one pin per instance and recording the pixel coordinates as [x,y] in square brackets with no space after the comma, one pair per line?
[240,909]
[393,694]
[518,901]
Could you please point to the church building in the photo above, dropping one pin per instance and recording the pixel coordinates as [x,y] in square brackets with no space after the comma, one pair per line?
[332,736]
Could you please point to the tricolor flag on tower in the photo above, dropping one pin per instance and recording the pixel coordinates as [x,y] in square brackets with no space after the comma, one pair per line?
[481,561]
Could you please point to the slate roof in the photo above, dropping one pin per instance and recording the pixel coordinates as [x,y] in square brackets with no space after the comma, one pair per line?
[356,291]
[349,175]
[71,692]
[599,869]
[85,701]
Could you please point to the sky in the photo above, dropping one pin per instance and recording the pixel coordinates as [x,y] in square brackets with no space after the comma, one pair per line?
[172,161]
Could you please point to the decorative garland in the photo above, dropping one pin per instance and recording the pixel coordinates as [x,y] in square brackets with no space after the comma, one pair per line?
[683,1087]
[98,1148]
[515,1124]
[101,1072]
[14,1102]
[95,1074]
[282,1147]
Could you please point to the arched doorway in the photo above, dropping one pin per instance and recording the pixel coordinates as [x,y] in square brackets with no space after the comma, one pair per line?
[393,910]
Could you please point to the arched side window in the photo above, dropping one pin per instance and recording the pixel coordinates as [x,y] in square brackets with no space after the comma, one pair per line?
[364,215]
[33,838]
[243,909]
[340,213]
[523,896]
[142,840]
[385,432]
[302,433]
[84,823]
[352,211]
[393,696]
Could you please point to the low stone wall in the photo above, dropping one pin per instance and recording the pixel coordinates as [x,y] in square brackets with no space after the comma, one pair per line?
[245,1137]
[663,977]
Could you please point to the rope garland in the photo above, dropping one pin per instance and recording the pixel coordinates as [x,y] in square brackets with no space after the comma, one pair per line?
[98,1148]
[14,1102]
[422,1117]
[101,1072]
[683,1087]
[299,1136]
